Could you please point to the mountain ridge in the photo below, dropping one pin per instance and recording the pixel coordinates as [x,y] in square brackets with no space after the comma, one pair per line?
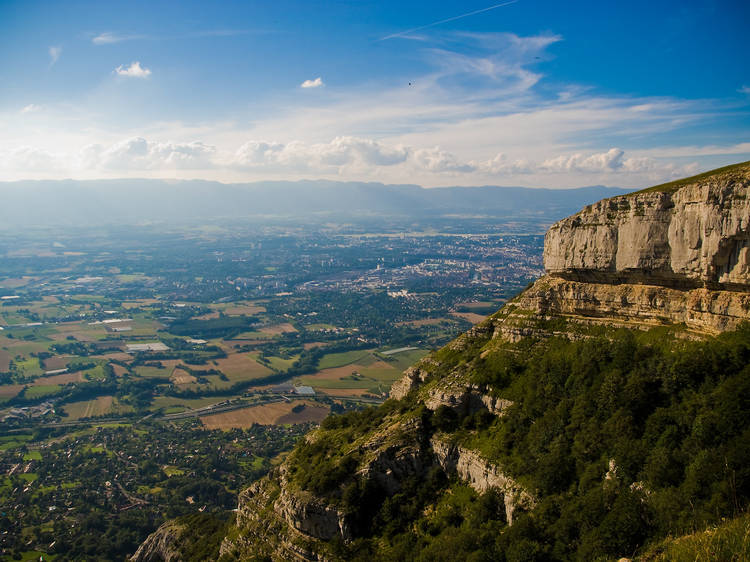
[128,201]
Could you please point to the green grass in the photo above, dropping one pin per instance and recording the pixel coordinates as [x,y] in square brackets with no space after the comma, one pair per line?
[96,373]
[320,326]
[729,542]
[341,383]
[42,390]
[673,186]
[405,359]
[381,374]
[13,441]
[29,367]
[332,360]
[281,364]
[144,371]
[33,456]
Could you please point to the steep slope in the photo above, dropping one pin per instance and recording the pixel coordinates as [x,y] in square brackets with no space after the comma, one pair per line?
[606,407]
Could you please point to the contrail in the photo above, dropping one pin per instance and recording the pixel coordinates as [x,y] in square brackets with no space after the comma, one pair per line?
[454,18]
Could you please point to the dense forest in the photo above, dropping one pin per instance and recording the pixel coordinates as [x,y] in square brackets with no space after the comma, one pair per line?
[623,440]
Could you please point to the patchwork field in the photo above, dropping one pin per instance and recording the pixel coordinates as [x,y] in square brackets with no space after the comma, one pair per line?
[8,391]
[367,375]
[472,317]
[360,356]
[238,309]
[56,362]
[63,378]
[97,407]
[268,414]
[423,322]
[241,367]
[182,377]
[5,358]
[278,329]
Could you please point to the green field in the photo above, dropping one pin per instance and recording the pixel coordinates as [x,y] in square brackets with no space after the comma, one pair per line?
[42,390]
[359,356]
[281,364]
[145,371]
[406,359]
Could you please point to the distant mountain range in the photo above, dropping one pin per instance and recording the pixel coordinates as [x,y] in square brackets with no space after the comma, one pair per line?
[71,202]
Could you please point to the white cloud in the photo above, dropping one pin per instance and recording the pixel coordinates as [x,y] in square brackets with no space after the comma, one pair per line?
[744,90]
[108,38]
[138,154]
[601,162]
[340,154]
[54,54]
[436,160]
[135,70]
[31,108]
[476,115]
[317,83]
[31,161]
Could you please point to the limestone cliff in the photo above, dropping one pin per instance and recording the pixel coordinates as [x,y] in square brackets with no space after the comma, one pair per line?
[693,234]
[162,545]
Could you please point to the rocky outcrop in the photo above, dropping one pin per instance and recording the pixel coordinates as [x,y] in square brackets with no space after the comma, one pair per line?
[481,475]
[695,235]
[411,379]
[464,399]
[393,455]
[311,515]
[636,305]
[162,545]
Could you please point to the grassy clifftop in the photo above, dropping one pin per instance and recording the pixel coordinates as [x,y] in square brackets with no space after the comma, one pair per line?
[735,170]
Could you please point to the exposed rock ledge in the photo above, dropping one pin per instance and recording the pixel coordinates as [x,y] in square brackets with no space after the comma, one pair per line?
[702,310]
[162,545]
[481,475]
[453,391]
[695,236]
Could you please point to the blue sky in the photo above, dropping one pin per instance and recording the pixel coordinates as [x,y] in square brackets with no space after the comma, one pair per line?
[549,94]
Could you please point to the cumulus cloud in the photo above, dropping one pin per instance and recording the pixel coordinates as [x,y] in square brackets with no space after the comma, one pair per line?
[317,83]
[438,161]
[31,160]
[345,155]
[600,162]
[31,108]
[135,70]
[138,153]
[340,153]
[54,54]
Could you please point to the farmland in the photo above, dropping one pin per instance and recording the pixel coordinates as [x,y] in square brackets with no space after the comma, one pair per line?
[116,341]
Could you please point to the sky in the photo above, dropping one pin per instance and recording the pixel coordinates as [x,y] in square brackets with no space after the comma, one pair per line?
[524,93]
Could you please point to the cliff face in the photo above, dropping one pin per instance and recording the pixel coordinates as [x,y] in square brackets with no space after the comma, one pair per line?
[697,235]
[162,545]
[674,256]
